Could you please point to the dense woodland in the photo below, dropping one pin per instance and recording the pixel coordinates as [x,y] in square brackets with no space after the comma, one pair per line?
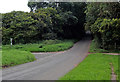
[64,21]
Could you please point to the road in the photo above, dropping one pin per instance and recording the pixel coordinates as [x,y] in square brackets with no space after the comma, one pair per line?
[49,66]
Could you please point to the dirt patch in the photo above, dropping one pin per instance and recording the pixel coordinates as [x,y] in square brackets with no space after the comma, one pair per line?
[112,53]
[113,75]
[48,52]
[106,53]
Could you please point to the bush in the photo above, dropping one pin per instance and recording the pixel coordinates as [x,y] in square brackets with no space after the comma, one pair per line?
[18,25]
[49,36]
[51,41]
[107,32]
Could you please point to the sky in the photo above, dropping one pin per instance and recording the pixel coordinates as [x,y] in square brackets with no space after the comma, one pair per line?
[13,5]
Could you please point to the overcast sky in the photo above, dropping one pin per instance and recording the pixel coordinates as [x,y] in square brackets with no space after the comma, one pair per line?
[13,5]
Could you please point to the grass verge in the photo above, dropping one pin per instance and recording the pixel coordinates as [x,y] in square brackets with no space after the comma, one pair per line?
[14,57]
[43,46]
[94,67]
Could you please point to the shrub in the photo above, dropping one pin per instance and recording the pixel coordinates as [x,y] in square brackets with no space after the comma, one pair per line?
[51,41]
[49,36]
[107,31]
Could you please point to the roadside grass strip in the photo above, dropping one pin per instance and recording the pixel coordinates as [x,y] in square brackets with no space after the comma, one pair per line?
[94,67]
[15,57]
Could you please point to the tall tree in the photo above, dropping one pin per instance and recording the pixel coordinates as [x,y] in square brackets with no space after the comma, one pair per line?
[101,10]
[18,25]
[103,20]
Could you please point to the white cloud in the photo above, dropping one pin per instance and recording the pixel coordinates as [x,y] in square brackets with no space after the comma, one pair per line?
[13,5]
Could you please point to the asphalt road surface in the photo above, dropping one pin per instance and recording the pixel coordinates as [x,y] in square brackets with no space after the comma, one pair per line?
[49,66]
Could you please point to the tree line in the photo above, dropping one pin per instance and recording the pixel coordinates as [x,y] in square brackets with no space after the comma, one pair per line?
[67,20]
[45,22]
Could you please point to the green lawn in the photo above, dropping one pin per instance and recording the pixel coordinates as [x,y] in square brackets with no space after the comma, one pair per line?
[14,57]
[43,46]
[94,67]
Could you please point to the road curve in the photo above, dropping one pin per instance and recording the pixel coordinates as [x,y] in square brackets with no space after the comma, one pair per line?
[49,67]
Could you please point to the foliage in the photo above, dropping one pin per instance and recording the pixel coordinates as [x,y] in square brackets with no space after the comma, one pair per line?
[32,6]
[44,23]
[101,10]
[94,67]
[18,25]
[36,5]
[103,21]
[14,57]
[49,36]
[94,48]
[108,32]
[48,42]
[75,30]
[75,12]
[52,22]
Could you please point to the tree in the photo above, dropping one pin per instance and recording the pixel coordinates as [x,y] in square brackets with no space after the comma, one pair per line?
[32,6]
[36,5]
[18,25]
[107,31]
[77,10]
[101,10]
[103,21]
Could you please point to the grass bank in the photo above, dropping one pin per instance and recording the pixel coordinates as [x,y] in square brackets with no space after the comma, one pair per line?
[94,67]
[43,46]
[14,57]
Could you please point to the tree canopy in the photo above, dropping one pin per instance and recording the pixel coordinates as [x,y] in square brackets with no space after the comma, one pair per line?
[103,19]
[43,23]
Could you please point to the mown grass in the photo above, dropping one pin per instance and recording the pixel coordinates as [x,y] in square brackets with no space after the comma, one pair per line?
[94,48]
[14,57]
[43,46]
[94,67]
